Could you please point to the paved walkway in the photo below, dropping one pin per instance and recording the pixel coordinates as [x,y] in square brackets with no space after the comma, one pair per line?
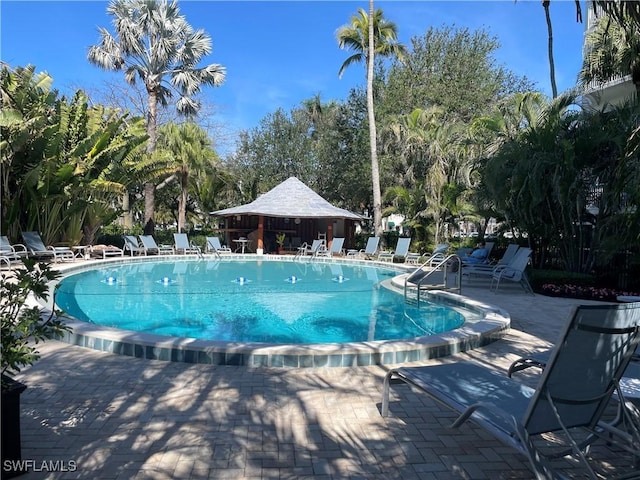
[114,417]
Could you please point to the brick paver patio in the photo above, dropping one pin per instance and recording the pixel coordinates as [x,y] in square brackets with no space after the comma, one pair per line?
[114,417]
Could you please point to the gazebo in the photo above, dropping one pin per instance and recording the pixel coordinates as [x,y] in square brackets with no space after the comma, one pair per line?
[292,209]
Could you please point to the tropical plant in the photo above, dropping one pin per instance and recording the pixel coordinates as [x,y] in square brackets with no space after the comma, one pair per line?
[570,181]
[63,161]
[153,42]
[369,35]
[612,51]
[182,150]
[24,326]
[433,163]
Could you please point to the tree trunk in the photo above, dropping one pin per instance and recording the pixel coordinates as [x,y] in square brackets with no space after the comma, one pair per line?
[375,169]
[127,215]
[150,188]
[552,67]
[182,203]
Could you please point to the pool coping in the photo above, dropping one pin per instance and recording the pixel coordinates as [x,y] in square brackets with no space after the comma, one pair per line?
[487,325]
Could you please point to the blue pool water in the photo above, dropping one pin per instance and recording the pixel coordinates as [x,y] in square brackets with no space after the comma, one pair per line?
[251,301]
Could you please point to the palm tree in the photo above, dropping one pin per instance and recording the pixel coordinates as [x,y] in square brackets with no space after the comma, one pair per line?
[613,51]
[369,34]
[182,150]
[154,42]
[552,67]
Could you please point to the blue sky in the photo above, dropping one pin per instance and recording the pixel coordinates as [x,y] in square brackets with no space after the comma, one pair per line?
[278,54]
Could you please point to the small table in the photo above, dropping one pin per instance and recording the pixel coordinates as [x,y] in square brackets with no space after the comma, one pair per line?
[81,251]
[242,243]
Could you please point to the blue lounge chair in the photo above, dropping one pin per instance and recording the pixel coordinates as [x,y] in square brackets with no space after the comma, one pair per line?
[334,249]
[36,248]
[12,251]
[182,244]
[150,246]
[132,246]
[581,376]
[402,250]
[514,271]
[369,251]
[306,249]
[214,245]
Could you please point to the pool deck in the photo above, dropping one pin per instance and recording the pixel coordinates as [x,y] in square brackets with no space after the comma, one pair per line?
[116,417]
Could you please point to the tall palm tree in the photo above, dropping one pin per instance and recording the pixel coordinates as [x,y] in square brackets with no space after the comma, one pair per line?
[154,43]
[369,34]
[552,68]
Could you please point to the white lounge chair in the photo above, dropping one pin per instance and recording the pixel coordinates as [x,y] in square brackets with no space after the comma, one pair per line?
[370,250]
[182,244]
[334,249]
[10,251]
[402,250]
[577,384]
[488,270]
[514,271]
[214,245]
[36,248]
[306,249]
[132,246]
[150,246]
[433,258]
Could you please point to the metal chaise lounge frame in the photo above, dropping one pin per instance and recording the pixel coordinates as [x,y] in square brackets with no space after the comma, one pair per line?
[150,246]
[306,249]
[132,246]
[580,378]
[182,244]
[401,250]
[369,251]
[334,249]
[213,245]
[483,268]
[9,252]
[36,248]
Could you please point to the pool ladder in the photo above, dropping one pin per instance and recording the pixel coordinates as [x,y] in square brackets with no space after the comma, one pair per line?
[434,274]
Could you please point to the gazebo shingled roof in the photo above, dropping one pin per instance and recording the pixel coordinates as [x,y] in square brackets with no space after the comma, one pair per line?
[292,199]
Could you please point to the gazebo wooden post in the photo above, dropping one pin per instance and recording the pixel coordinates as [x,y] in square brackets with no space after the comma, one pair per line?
[329,232]
[260,233]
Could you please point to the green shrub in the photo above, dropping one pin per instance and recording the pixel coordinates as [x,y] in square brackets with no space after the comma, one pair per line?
[23,327]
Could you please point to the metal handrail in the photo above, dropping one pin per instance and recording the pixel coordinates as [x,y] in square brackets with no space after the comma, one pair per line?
[435,266]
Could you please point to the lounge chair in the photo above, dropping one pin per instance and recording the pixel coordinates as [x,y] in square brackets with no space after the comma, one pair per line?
[11,252]
[104,251]
[507,256]
[36,248]
[438,255]
[182,244]
[479,256]
[579,380]
[514,271]
[520,257]
[334,249]
[369,251]
[132,246]
[402,250]
[150,246]
[213,245]
[306,249]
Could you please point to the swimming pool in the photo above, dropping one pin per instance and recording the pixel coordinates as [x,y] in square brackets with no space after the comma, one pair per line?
[263,311]
[270,302]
